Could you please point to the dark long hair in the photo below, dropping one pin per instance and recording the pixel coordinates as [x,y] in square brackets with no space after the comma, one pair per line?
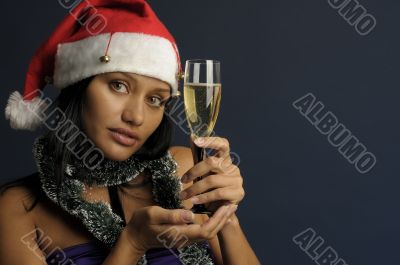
[71,102]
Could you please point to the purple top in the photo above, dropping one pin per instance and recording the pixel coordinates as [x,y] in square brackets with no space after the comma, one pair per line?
[92,253]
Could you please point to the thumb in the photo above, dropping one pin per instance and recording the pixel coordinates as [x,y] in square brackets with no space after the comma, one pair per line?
[175,216]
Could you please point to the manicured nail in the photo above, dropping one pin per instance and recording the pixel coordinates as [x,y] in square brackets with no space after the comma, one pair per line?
[232,209]
[195,200]
[187,216]
[183,194]
[225,209]
[199,140]
[184,178]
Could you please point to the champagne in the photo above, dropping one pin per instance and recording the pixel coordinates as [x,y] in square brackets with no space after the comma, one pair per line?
[202,96]
[202,103]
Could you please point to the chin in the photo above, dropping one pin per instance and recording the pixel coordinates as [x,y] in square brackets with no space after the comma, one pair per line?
[118,152]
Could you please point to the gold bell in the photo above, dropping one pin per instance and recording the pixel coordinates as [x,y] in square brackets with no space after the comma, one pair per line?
[180,75]
[105,59]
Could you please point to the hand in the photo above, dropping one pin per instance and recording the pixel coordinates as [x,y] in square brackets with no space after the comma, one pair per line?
[222,182]
[153,226]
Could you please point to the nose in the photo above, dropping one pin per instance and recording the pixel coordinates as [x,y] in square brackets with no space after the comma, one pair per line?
[134,112]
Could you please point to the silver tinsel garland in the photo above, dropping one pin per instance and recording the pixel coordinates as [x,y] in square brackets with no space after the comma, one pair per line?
[98,217]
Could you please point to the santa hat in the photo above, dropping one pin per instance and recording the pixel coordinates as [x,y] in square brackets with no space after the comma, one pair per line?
[96,37]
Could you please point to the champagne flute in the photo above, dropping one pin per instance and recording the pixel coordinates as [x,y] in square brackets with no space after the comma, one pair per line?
[202,96]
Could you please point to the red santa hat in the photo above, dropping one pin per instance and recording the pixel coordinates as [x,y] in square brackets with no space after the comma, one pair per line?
[96,37]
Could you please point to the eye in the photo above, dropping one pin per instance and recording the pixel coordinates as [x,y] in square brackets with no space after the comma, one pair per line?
[119,86]
[157,101]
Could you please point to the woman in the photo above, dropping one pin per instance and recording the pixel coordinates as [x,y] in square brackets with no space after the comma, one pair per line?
[109,187]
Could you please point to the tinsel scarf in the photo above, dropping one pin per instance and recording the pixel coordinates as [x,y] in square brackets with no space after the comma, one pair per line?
[98,217]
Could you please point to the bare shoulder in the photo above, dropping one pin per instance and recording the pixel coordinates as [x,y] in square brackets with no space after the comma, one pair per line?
[17,229]
[15,200]
[184,159]
[183,156]
[180,149]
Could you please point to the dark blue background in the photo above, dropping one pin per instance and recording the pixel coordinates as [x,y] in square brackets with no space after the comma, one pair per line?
[272,52]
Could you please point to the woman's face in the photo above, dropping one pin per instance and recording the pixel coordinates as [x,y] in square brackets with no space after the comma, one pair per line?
[123,101]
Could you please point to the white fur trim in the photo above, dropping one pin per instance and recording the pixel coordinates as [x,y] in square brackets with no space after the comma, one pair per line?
[24,115]
[129,52]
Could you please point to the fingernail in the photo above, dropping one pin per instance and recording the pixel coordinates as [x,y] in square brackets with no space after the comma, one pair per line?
[184,178]
[183,194]
[232,209]
[195,200]
[187,216]
[199,140]
[226,209]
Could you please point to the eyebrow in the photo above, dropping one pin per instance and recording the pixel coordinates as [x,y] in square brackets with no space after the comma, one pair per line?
[157,89]
[162,89]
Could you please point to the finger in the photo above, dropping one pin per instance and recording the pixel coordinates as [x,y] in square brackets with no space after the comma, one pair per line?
[178,236]
[218,143]
[204,230]
[211,164]
[212,223]
[228,214]
[159,215]
[206,184]
[227,194]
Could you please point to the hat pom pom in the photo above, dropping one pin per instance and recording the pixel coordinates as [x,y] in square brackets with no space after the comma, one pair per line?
[24,114]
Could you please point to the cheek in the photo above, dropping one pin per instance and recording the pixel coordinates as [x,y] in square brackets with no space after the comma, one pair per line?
[154,122]
[88,113]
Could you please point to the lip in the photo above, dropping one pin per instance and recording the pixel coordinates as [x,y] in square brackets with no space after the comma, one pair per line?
[124,136]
